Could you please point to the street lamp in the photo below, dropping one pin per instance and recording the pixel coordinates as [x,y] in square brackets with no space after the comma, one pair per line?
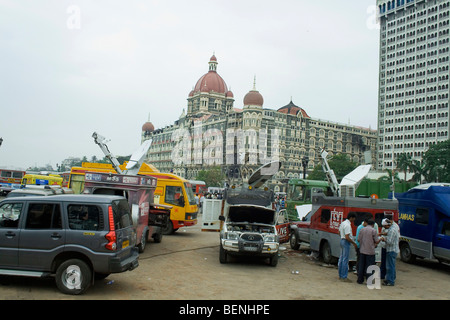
[305,161]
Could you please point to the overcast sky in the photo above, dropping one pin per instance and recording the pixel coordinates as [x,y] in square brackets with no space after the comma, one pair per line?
[69,68]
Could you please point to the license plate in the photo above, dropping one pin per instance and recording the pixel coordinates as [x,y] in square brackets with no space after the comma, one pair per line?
[125,243]
[250,248]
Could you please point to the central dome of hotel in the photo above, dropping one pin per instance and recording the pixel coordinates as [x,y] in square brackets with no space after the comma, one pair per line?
[212,81]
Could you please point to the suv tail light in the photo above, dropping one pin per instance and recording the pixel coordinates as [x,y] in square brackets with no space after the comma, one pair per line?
[111,236]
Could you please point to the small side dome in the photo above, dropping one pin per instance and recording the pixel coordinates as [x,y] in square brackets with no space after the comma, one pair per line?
[253,98]
[148,127]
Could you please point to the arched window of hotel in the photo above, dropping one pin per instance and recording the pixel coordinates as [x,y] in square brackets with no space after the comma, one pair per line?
[330,145]
[321,133]
[218,104]
[321,143]
[348,148]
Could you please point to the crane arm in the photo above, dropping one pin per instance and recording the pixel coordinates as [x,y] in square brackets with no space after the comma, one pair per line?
[101,141]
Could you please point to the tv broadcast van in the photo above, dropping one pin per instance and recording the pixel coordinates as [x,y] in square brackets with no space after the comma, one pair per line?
[171,190]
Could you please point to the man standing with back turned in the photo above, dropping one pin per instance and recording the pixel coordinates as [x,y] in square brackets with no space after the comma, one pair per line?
[368,238]
[345,232]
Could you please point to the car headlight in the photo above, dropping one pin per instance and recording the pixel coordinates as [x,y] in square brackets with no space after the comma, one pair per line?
[232,236]
[270,238]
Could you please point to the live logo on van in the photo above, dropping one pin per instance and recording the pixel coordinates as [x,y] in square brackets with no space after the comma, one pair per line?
[336,219]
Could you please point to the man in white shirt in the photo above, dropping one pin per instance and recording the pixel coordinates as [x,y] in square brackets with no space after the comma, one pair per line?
[345,232]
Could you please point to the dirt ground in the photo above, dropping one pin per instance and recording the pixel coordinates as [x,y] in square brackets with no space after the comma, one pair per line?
[185,266]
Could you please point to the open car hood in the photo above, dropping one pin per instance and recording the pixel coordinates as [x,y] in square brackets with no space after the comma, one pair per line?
[251,214]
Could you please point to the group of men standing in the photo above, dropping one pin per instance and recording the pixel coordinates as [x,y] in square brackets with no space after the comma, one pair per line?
[366,240]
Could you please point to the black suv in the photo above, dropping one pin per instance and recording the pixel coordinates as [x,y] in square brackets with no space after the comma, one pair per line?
[76,238]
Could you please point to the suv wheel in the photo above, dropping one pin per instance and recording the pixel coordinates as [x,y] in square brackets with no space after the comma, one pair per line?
[273,260]
[223,256]
[73,277]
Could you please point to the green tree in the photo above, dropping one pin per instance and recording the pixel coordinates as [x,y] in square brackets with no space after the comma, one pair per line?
[404,162]
[213,177]
[339,163]
[391,173]
[418,168]
[437,162]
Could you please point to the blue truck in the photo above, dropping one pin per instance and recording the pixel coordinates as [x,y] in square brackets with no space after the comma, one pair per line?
[424,220]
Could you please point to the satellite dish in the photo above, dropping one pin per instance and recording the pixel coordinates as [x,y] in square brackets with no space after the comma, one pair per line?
[356,176]
[136,159]
[263,174]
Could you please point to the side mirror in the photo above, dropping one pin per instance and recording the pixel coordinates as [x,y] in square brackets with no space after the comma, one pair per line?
[221,218]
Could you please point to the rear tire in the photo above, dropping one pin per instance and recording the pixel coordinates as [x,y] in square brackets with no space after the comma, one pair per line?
[326,253]
[143,244]
[293,241]
[406,254]
[157,237]
[73,277]
[168,229]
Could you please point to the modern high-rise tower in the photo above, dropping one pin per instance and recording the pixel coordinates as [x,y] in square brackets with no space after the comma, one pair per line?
[413,111]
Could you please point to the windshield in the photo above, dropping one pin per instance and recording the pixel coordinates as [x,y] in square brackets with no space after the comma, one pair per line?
[297,193]
[190,193]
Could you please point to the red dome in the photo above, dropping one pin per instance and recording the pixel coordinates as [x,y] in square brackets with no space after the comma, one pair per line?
[253,98]
[148,126]
[211,82]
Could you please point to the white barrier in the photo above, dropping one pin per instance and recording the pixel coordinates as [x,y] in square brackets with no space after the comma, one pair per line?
[211,210]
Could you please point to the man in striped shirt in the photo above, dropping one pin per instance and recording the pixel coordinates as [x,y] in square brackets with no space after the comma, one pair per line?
[392,250]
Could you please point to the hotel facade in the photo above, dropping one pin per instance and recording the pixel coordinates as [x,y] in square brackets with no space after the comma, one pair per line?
[213,132]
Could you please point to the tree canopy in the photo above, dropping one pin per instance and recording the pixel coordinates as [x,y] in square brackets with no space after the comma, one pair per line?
[339,163]
[213,177]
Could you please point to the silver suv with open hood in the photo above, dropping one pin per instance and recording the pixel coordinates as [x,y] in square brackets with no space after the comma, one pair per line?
[249,221]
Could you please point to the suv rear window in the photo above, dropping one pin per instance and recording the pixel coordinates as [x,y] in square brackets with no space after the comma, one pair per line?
[122,214]
[85,217]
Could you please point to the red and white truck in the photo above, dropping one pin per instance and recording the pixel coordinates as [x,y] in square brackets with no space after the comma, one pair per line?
[320,227]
